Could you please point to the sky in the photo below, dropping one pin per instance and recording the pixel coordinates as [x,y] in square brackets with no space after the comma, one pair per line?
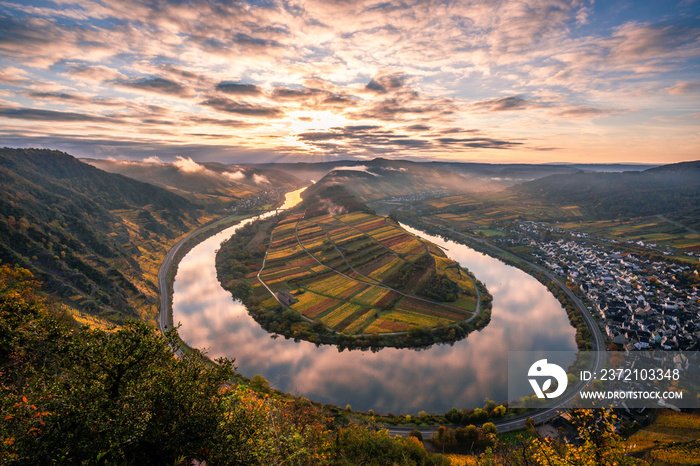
[530,81]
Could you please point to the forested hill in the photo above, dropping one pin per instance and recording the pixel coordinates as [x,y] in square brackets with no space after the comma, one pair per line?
[89,236]
[672,190]
[381,178]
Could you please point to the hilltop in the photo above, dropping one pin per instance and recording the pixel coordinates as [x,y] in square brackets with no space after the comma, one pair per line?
[497,174]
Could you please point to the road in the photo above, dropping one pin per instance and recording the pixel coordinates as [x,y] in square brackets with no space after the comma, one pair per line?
[545,414]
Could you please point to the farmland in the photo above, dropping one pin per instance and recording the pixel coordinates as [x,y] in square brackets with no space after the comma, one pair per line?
[350,272]
[359,254]
[673,438]
[495,216]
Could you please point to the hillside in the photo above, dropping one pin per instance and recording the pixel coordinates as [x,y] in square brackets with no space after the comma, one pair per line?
[381,179]
[94,239]
[672,190]
[85,396]
[211,184]
[344,271]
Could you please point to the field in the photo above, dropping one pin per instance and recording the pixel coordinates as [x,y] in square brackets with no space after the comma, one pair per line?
[359,273]
[672,439]
[489,218]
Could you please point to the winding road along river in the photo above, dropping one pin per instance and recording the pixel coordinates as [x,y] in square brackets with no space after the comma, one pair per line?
[525,317]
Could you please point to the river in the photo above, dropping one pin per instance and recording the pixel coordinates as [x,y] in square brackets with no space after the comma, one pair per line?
[525,317]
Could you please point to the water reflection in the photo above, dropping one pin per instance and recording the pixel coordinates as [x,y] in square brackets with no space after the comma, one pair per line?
[525,317]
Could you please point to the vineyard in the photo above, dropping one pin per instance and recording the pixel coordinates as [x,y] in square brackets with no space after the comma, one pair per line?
[360,273]
[673,438]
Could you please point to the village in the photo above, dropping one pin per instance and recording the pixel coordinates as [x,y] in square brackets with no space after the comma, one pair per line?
[642,303]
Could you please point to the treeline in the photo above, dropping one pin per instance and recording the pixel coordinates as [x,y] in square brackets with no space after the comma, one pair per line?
[598,442]
[73,395]
[469,438]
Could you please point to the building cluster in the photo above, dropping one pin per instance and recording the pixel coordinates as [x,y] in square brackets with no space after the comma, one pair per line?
[414,197]
[642,303]
[257,201]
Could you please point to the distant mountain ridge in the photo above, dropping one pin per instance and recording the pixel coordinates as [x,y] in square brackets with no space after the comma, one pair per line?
[207,184]
[507,173]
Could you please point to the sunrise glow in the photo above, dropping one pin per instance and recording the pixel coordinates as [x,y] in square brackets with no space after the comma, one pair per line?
[503,81]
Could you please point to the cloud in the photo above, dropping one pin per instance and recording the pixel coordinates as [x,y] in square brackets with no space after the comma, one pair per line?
[94,73]
[234,176]
[219,122]
[418,128]
[260,179]
[155,84]
[230,87]
[36,114]
[406,105]
[356,168]
[584,111]
[314,99]
[378,140]
[188,165]
[242,108]
[503,104]
[74,99]
[418,70]
[12,75]
[240,43]
[284,93]
[479,143]
[684,88]
[63,96]
[152,159]
[634,42]
[384,83]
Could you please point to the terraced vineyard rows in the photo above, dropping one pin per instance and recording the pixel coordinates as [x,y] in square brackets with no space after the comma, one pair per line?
[344,272]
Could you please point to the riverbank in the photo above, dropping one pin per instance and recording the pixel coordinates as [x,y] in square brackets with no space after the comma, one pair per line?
[350,278]
[588,334]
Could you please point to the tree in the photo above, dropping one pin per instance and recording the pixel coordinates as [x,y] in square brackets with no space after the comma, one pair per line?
[489,405]
[467,436]
[417,434]
[598,444]
[444,436]
[76,395]
[489,428]
[453,415]
[259,384]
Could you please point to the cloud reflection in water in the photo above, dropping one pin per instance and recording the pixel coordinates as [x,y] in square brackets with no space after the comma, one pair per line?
[525,317]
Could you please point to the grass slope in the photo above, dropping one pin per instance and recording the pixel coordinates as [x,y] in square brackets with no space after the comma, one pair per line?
[670,189]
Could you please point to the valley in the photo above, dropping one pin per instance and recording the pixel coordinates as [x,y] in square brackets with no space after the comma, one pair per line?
[332,274]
